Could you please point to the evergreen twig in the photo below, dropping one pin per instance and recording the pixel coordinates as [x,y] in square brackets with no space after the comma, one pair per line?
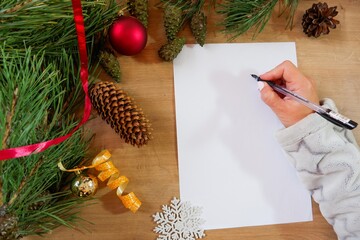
[289,6]
[242,15]
[9,117]
[39,91]
[48,24]
[25,179]
[38,81]
[17,7]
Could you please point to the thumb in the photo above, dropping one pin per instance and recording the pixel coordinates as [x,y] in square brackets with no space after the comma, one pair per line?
[269,96]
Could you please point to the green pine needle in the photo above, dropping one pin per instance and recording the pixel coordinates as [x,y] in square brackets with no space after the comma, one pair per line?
[290,7]
[40,89]
[242,15]
[49,25]
[32,96]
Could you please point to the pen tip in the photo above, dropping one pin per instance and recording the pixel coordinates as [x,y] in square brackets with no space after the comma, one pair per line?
[254,76]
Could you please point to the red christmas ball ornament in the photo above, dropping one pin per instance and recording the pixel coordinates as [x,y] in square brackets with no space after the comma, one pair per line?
[127,35]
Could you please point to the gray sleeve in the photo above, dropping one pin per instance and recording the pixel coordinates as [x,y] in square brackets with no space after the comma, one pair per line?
[327,159]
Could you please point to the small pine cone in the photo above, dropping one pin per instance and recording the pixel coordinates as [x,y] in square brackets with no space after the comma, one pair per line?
[118,109]
[110,64]
[9,227]
[43,199]
[170,50]
[318,19]
[139,9]
[172,21]
[198,27]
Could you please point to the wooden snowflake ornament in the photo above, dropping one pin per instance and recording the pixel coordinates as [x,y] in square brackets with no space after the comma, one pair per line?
[178,221]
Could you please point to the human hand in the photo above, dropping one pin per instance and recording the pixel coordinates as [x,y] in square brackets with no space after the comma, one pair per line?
[288,110]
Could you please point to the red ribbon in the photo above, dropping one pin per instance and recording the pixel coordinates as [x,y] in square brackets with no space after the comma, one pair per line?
[40,147]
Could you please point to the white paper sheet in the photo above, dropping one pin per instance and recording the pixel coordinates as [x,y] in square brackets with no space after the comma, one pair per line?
[229,161]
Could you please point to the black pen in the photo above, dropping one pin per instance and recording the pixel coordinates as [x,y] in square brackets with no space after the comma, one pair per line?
[328,114]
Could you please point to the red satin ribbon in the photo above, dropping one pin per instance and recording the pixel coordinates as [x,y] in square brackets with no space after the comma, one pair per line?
[39,147]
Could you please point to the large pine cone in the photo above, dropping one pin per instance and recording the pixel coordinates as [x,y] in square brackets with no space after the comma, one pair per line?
[318,19]
[172,21]
[118,109]
[198,27]
[170,50]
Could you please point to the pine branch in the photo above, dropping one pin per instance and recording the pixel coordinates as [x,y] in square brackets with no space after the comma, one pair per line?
[17,7]
[48,24]
[8,120]
[289,6]
[44,83]
[62,213]
[23,182]
[242,15]
[39,91]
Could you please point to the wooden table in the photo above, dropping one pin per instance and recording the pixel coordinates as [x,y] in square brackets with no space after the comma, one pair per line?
[332,60]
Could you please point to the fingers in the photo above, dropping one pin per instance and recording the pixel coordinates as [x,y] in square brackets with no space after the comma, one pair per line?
[286,71]
[288,111]
[269,96]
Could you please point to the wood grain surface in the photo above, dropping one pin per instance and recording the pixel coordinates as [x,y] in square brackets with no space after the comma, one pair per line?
[332,60]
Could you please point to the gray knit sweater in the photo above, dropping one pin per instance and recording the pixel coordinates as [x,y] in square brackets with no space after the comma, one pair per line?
[327,159]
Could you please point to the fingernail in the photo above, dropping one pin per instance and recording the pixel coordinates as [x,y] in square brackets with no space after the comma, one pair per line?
[260,85]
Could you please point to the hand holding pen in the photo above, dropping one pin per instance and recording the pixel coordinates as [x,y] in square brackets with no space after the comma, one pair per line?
[300,98]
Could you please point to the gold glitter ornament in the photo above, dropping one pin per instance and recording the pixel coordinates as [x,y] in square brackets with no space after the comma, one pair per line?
[84,185]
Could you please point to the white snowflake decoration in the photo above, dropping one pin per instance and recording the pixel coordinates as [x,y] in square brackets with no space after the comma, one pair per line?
[179,221]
